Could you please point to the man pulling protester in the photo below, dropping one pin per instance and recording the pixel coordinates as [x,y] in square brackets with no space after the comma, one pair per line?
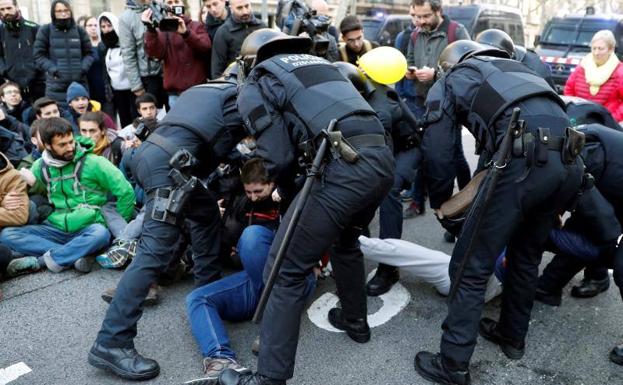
[287,102]
[538,177]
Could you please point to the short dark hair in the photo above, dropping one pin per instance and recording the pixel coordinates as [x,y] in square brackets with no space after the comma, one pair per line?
[350,23]
[36,127]
[53,127]
[42,102]
[435,5]
[145,98]
[254,171]
[93,116]
[9,84]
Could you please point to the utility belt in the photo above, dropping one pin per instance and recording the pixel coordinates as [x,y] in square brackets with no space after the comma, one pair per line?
[341,147]
[170,201]
[535,146]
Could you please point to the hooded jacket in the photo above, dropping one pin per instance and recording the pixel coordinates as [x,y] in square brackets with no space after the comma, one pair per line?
[131,31]
[16,55]
[116,75]
[64,55]
[183,55]
[11,180]
[77,201]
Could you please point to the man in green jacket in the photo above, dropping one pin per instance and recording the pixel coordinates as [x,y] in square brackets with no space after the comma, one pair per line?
[78,184]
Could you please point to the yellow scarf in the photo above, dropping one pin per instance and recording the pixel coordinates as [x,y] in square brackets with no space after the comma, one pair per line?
[597,76]
[101,145]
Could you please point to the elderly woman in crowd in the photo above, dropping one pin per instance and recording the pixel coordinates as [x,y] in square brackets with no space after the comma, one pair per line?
[599,77]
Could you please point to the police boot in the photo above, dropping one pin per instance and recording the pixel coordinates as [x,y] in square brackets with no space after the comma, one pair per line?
[357,329]
[431,367]
[384,278]
[616,355]
[232,377]
[126,363]
[590,287]
[514,349]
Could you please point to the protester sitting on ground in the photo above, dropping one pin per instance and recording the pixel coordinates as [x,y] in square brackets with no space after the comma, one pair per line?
[107,143]
[22,130]
[46,108]
[79,102]
[12,102]
[37,147]
[78,184]
[235,297]
[146,108]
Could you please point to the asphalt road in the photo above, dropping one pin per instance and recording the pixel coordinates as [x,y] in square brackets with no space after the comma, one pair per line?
[49,321]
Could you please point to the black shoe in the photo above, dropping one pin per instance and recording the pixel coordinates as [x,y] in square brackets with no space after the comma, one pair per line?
[513,349]
[125,363]
[616,354]
[430,366]
[590,287]
[548,297]
[382,282]
[358,330]
[232,377]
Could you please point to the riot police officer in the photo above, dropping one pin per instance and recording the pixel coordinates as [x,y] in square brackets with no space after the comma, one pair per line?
[201,129]
[539,181]
[287,100]
[501,40]
[400,125]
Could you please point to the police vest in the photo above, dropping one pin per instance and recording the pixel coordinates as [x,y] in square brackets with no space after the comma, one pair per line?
[315,90]
[611,140]
[385,100]
[202,109]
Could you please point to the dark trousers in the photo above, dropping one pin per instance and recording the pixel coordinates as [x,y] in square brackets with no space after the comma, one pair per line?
[463,174]
[520,215]
[155,86]
[157,247]
[340,205]
[124,106]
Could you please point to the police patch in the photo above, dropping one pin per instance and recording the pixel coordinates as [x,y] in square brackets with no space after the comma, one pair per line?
[292,62]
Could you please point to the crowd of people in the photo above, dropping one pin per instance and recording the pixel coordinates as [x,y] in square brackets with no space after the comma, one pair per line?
[165,146]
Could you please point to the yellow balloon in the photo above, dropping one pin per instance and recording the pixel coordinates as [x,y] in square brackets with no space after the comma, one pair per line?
[385,65]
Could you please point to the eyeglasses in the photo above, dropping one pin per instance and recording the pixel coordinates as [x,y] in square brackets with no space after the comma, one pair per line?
[356,39]
[11,92]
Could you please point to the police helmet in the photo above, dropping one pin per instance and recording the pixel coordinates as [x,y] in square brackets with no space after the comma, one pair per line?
[265,43]
[520,53]
[355,76]
[498,39]
[461,50]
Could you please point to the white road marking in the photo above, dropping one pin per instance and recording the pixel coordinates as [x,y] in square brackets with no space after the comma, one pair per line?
[393,302]
[13,372]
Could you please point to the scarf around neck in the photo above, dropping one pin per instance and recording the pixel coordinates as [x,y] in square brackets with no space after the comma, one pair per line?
[52,161]
[595,75]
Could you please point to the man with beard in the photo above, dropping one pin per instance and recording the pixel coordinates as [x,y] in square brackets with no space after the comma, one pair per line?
[16,57]
[78,183]
[228,38]
[63,50]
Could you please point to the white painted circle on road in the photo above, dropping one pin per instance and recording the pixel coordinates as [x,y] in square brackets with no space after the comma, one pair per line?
[393,302]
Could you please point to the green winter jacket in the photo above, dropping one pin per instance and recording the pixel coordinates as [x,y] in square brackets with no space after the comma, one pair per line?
[77,205]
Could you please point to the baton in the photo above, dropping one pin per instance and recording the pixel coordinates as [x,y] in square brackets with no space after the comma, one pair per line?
[479,210]
[296,213]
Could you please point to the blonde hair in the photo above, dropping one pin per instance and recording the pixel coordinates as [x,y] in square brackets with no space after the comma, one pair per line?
[606,36]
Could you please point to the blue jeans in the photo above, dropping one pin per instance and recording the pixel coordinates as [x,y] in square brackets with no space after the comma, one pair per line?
[65,248]
[233,298]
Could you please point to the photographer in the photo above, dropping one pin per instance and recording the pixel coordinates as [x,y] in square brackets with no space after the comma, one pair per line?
[181,50]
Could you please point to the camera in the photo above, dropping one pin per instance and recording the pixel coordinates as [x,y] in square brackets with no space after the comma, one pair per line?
[295,17]
[160,19]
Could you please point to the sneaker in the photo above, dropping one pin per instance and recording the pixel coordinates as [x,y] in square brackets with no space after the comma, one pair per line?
[119,254]
[212,367]
[405,196]
[82,265]
[24,265]
[151,299]
[413,210]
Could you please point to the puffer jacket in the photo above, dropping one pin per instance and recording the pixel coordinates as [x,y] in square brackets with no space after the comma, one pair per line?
[131,31]
[183,55]
[610,93]
[77,201]
[11,180]
[64,55]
